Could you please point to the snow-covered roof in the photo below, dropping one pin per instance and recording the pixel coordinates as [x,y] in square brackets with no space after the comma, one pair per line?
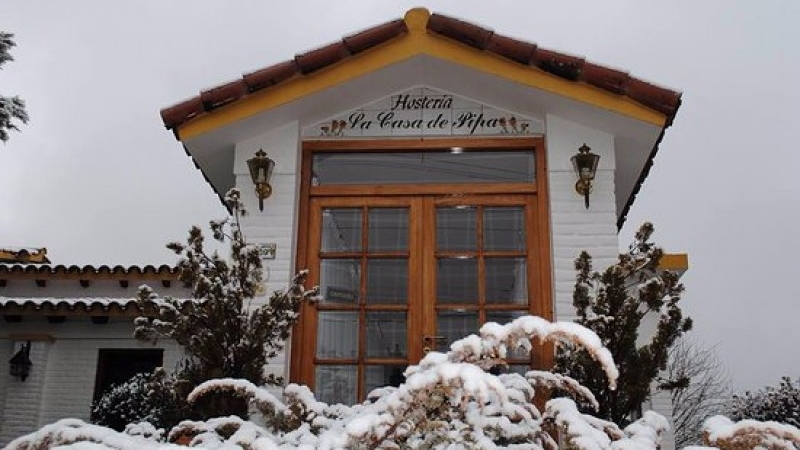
[75,305]
[24,255]
[61,269]
[45,290]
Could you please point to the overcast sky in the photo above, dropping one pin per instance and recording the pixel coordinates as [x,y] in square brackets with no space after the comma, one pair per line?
[96,178]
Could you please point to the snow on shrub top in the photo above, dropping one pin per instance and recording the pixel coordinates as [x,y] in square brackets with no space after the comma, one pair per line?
[449,401]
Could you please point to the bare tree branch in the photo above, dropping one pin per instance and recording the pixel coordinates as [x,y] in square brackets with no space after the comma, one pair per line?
[702,389]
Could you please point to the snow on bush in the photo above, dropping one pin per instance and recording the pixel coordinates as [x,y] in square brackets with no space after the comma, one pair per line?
[449,401]
[781,404]
[223,331]
[723,433]
[635,309]
[76,434]
[146,397]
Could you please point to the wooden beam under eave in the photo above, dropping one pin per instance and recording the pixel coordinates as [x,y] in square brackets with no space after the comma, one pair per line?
[34,337]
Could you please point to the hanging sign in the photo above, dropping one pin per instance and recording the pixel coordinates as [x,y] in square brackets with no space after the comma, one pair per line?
[422,111]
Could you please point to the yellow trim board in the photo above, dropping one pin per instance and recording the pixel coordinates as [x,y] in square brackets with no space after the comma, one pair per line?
[674,261]
[416,42]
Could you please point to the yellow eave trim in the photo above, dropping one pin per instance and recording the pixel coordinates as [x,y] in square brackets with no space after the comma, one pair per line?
[678,262]
[416,42]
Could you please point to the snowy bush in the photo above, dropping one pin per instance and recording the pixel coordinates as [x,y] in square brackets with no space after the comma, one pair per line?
[723,433]
[149,398]
[221,332]
[449,401]
[779,404]
[614,304]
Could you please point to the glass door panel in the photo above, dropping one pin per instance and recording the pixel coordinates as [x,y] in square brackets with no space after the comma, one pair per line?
[454,324]
[362,320]
[481,257]
[456,228]
[387,281]
[341,230]
[337,334]
[340,281]
[504,228]
[388,229]
[506,281]
[457,280]
[337,384]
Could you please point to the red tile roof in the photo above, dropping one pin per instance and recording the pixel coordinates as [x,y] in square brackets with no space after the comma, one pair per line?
[86,272]
[51,303]
[124,307]
[566,66]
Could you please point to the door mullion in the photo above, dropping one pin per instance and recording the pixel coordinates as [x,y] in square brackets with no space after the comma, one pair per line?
[479,254]
[427,302]
[362,314]
[309,322]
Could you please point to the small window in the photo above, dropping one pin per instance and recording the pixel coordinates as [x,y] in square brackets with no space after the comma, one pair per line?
[433,166]
[115,366]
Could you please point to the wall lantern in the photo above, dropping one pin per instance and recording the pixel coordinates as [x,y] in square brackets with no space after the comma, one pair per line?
[261,171]
[21,362]
[585,164]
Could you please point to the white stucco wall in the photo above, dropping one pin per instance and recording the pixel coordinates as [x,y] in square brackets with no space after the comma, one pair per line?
[20,411]
[278,222]
[62,377]
[573,227]
[661,402]
[65,355]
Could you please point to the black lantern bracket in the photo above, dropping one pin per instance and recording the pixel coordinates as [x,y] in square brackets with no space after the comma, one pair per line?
[21,362]
[585,165]
[261,167]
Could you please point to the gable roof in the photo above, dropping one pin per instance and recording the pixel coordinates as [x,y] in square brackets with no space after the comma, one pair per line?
[209,123]
[567,67]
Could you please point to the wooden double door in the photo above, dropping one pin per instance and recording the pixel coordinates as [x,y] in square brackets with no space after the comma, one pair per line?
[402,275]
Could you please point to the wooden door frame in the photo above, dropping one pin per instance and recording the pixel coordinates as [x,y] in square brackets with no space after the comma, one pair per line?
[539,216]
[316,205]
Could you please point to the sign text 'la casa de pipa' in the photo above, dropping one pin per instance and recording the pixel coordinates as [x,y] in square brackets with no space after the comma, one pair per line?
[422,111]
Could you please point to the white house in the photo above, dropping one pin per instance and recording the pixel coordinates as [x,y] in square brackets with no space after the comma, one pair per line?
[74,325]
[423,173]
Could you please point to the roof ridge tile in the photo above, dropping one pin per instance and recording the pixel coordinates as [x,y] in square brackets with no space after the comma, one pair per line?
[465,32]
[366,39]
